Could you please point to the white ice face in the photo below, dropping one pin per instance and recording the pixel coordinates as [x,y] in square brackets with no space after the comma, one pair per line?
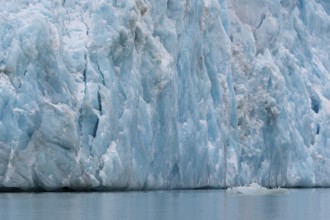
[139,94]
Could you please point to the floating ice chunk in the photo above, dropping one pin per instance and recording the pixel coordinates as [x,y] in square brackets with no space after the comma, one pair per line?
[255,189]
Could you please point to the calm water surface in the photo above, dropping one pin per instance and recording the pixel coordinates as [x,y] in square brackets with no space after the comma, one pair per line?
[299,204]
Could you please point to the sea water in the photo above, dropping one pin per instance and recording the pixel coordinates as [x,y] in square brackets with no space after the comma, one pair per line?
[175,204]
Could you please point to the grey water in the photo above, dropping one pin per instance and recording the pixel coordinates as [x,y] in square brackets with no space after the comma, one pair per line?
[176,204]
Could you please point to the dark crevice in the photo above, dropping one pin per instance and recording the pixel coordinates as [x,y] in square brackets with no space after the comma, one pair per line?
[28,63]
[87,28]
[99,69]
[96,125]
[99,100]
[81,112]
[315,103]
[24,74]
[29,134]
[231,38]
[318,128]
[262,18]
[85,70]
[175,175]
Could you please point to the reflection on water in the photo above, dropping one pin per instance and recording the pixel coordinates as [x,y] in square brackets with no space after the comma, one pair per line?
[180,204]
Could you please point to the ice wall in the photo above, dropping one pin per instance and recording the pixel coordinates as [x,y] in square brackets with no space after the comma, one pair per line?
[146,94]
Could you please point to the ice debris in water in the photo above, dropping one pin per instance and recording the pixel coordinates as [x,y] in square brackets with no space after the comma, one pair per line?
[255,189]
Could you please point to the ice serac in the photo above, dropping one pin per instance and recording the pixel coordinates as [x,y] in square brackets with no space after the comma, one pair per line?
[149,94]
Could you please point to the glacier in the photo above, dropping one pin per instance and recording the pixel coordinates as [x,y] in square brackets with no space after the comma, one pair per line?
[163,94]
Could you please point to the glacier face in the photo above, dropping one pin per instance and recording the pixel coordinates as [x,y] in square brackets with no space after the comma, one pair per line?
[148,94]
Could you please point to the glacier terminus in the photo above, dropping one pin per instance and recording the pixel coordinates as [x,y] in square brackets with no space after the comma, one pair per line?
[163,94]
